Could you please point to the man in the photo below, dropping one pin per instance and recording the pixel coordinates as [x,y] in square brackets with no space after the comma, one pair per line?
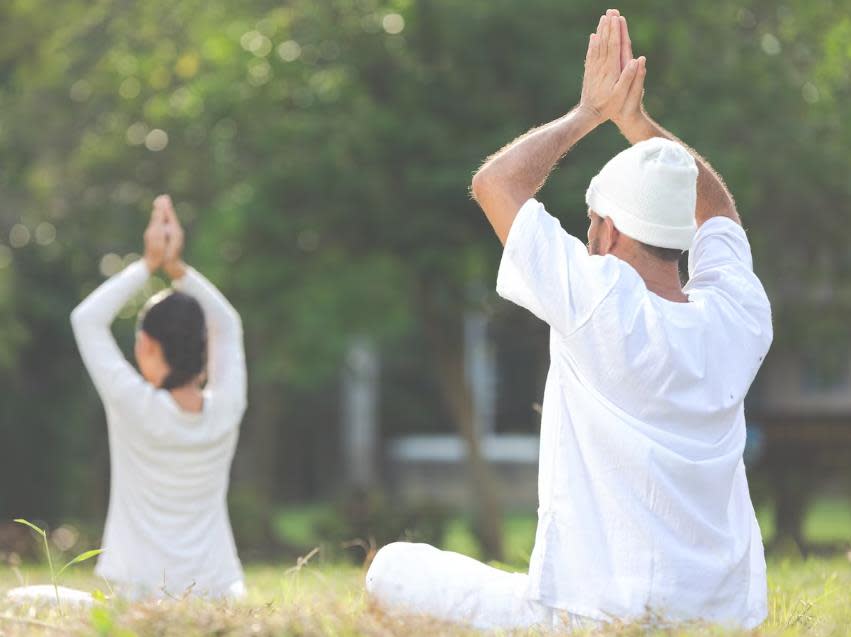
[644,504]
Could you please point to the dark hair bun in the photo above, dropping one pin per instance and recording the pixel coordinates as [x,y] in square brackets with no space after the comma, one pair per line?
[176,321]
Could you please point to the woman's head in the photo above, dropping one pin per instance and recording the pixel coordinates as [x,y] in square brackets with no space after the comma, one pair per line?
[171,342]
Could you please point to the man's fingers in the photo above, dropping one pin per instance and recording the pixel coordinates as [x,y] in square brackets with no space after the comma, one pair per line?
[614,39]
[592,49]
[626,44]
[624,82]
[635,94]
[603,37]
[636,89]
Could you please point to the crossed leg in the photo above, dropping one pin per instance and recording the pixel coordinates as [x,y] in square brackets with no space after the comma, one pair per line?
[422,580]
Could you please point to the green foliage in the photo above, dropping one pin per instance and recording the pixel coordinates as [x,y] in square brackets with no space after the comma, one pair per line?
[251,520]
[82,557]
[371,520]
[43,535]
[320,152]
[54,576]
[35,528]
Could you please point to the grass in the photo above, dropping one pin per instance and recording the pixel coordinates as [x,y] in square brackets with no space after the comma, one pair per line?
[809,598]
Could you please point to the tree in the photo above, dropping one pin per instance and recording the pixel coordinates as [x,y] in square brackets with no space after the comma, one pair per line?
[321,153]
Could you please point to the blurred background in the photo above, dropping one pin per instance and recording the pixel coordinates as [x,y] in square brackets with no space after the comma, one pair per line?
[319,152]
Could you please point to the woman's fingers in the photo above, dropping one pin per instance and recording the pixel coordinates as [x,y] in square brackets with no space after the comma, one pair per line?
[158,214]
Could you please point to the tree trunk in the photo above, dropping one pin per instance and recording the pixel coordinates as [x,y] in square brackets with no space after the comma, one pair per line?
[443,331]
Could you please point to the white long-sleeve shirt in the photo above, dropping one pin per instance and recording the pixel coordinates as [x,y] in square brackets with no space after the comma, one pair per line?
[167,525]
[644,503]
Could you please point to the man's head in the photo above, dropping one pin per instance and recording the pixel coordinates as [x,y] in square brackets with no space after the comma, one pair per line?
[604,238]
[644,199]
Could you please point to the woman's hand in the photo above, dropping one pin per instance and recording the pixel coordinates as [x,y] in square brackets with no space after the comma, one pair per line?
[173,263]
[155,239]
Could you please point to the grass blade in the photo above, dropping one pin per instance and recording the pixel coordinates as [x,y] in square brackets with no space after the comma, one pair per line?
[35,528]
[82,557]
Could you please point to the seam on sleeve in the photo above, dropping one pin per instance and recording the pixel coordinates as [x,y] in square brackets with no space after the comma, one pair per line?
[720,221]
[518,226]
[591,314]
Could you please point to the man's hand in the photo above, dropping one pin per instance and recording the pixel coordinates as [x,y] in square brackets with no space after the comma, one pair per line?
[173,263]
[631,114]
[713,197]
[612,78]
[612,88]
[155,239]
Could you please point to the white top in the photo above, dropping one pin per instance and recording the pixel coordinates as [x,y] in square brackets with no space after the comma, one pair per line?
[168,521]
[644,503]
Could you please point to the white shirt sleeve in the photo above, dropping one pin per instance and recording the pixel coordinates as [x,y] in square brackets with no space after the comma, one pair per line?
[226,373]
[719,242]
[116,380]
[720,263]
[550,273]
[720,259]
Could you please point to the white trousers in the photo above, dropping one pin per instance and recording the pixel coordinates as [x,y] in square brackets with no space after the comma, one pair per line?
[419,579]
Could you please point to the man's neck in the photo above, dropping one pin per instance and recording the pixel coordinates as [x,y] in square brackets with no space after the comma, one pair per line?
[661,277]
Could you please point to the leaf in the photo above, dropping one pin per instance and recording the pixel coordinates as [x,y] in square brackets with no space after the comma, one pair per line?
[102,620]
[82,557]
[38,530]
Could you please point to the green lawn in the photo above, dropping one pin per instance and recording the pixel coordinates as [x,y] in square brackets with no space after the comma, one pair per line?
[808,598]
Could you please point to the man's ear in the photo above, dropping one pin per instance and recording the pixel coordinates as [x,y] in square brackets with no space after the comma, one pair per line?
[612,233]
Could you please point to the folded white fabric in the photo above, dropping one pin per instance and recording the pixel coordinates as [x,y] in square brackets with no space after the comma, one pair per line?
[46,594]
[419,579]
[650,192]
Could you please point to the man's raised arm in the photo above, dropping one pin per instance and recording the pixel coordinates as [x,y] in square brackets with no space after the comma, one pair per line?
[713,198]
[515,173]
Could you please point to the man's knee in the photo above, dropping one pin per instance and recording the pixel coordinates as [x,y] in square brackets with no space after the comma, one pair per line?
[391,567]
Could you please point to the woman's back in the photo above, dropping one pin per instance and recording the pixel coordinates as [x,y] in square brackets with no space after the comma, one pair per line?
[167,530]
[168,520]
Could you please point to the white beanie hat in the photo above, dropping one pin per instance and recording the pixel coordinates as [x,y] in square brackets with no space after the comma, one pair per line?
[650,192]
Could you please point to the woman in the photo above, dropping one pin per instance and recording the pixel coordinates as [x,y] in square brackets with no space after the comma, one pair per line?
[171,435]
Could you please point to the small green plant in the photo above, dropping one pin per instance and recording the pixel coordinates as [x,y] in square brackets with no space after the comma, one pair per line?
[54,576]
